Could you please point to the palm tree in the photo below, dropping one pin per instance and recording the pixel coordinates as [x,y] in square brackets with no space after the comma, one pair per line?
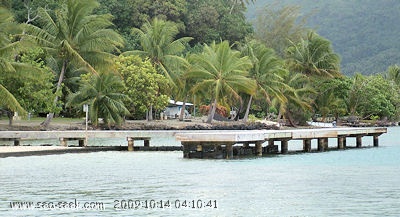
[393,73]
[314,57]
[240,2]
[221,72]
[8,48]
[297,93]
[103,95]
[75,38]
[268,72]
[157,40]
[158,43]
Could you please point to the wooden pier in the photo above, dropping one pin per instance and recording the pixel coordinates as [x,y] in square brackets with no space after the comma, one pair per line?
[223,144]
[211,143]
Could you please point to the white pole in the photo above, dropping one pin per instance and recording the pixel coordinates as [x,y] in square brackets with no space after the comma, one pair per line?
[86,109]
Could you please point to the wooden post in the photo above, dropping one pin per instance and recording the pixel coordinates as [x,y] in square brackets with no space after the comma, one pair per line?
[322,144]
[307,145]
[341,140]
[284,146]
[229,151]
[199,148]
[146,143]
[130,144]
[63,142]
[185,149]
[344,142]
[82,142]
[376,140]
[358,141]
[259,148]
[16,142]
[326,143]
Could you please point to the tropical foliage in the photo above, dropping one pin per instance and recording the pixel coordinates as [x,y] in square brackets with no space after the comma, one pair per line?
[268,72]
[158,43]
[203,51]
[143,85]
[314,56]
[8,66]
[222,73]
[75,39]
[103,94]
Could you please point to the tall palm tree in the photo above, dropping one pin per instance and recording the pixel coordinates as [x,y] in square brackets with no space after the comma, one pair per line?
[157,40]
[314,57]
[221,72]
[8,49]
[75,37]
[268,71]
[103,94]
[158,43]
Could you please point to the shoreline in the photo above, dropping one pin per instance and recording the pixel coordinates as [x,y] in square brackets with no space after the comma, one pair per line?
[171,124]
[61,124]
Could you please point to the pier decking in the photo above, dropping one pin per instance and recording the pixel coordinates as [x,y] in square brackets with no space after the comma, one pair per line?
[210,143]
[220,144]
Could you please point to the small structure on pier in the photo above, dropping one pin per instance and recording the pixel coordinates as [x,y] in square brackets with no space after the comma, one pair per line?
[222,144]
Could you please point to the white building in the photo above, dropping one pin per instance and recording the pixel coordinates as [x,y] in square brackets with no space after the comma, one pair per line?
[173,110]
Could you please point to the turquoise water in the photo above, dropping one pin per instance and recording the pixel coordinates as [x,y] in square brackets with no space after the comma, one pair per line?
[357,182]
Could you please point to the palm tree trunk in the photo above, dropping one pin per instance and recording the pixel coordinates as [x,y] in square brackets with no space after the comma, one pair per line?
[246,115]
[151,113]
[60,81]
[290,119]
[237,117]
[182,113]
[10,115]
[212,113]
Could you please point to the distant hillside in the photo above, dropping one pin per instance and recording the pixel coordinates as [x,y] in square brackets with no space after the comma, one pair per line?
[364,32]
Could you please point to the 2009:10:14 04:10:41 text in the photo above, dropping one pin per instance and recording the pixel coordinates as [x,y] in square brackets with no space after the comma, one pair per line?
[165,204]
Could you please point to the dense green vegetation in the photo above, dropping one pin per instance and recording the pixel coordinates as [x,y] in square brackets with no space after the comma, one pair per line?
[363,32]
[126,59]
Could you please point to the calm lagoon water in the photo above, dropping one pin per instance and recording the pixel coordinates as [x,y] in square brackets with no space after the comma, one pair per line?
[356,182]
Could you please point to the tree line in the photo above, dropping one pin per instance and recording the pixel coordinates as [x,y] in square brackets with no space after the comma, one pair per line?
[126,59]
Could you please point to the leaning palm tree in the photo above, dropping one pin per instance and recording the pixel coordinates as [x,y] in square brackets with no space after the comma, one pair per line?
[8,49]
[75,38]
[103,94]
[268,71]
[220,71]
[314,57]
[297,92]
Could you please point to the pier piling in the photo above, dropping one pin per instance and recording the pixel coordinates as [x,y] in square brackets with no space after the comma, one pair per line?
[229,151]
[376,140]
[322,144]
[284,146]
[146,142]
[63,142]
[359,141]
[259,148]
[341,142]
[17,142]
[130,144]
[307,145]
